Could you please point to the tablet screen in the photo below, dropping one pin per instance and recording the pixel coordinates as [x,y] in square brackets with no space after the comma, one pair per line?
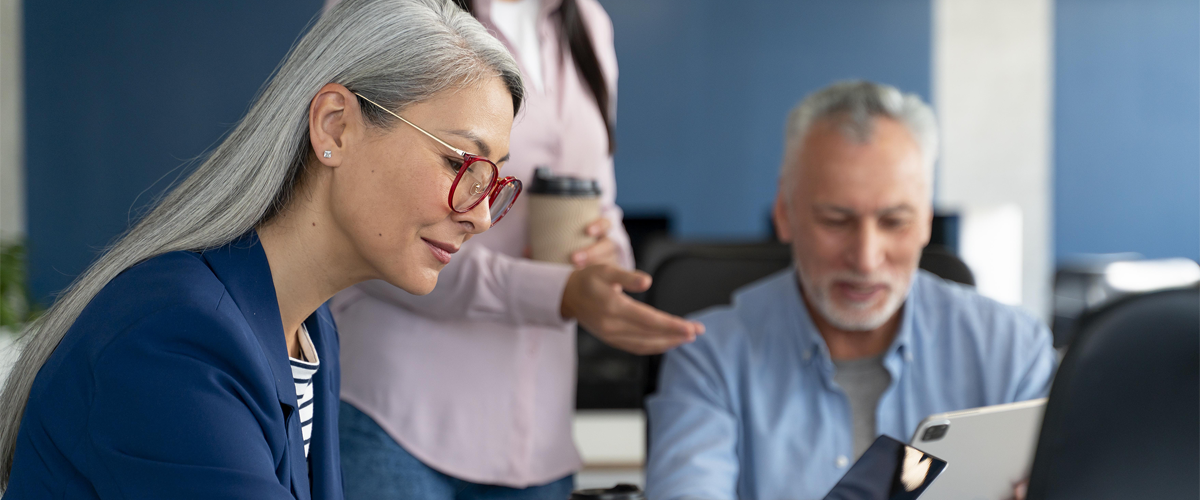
[888,470]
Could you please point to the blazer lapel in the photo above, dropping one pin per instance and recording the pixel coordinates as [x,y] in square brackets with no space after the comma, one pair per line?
[323,449]
[242,266]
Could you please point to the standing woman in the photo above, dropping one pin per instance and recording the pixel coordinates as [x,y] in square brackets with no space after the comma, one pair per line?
[469,392]
[195,359]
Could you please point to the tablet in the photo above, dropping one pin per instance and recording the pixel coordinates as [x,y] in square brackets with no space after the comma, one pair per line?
[888,470]
[991,449]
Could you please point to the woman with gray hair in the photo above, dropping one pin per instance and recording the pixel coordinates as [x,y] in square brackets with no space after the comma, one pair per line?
[195,358]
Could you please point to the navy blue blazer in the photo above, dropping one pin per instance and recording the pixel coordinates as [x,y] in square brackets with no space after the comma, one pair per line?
[175,383]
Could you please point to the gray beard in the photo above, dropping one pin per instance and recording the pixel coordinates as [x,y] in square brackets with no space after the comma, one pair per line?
[851,320]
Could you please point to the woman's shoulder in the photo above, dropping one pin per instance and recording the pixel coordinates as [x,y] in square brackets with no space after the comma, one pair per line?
[160,294]
[177,280]
[170,310]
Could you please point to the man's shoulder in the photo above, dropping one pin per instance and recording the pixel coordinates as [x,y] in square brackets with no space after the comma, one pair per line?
[995,352]
[756,313]
[750,305]
[948,306]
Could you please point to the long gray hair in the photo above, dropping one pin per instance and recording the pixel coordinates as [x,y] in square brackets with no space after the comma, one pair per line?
[395,52]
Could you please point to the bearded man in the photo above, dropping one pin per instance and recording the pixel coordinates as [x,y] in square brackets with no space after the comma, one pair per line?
[795,379]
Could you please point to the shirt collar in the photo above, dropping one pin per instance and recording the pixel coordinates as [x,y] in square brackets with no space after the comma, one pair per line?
[812,346]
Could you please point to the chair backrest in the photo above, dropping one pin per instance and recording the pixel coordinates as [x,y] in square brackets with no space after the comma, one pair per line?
[694,277]
[942,262]
[1123,418]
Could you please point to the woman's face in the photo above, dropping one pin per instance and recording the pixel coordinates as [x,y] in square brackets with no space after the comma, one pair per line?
[388,192]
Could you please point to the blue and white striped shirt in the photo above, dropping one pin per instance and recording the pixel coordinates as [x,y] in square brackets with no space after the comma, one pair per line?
[302,374]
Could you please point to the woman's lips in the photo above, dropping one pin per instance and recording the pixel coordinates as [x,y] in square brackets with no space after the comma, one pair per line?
[441,251]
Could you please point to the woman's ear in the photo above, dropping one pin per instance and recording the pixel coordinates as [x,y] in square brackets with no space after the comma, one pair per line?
[333,118]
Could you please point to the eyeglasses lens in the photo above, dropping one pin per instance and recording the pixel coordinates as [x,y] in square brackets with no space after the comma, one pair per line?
[473,185]
[504,199]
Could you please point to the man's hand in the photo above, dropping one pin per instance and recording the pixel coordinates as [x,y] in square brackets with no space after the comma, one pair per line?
[594,296]
[603,251]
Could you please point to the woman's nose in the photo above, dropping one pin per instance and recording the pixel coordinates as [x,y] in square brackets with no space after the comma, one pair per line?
[478,219]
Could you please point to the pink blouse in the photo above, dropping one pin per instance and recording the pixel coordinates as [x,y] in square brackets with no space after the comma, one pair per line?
[477,379]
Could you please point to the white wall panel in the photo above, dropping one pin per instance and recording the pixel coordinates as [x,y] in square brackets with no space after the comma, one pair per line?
[12,141]
[992,88]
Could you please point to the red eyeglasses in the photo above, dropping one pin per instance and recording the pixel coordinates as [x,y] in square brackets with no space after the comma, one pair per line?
[480,175]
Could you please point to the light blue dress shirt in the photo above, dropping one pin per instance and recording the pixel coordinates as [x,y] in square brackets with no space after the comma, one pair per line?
[750,410]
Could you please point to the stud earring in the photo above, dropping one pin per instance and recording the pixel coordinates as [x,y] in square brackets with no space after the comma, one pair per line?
[328,154]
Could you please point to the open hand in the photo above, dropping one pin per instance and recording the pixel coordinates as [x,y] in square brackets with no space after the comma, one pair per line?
[595,296]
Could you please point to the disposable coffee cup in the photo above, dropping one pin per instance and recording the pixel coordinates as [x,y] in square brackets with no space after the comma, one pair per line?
[560,209]
[618,492]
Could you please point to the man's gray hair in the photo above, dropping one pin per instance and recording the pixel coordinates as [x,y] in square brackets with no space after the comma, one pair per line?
[853,105]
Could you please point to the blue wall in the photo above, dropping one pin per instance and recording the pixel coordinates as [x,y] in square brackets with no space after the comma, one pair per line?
[118,94]
[1127,127]
[705,86]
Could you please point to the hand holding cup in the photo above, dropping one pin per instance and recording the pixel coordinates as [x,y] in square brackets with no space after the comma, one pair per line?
[603,251]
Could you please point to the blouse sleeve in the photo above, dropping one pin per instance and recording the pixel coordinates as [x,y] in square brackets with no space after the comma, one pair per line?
[481,284]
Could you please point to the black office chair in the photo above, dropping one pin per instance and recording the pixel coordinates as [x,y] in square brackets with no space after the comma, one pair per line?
[695,276]
[942,262]
[1123,418]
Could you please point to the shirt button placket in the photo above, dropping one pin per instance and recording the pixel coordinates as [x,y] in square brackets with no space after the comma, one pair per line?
[842,461]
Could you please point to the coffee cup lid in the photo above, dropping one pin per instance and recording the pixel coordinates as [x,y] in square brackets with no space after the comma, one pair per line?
[546,183]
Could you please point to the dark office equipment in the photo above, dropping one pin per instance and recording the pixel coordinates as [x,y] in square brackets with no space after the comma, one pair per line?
[1079,286]
[644,228]
[1123,418]
[941,261]
[945,231]
[609,378]
[1086,283]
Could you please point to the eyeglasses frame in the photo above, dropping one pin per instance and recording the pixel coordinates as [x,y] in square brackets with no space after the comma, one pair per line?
[493,190]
